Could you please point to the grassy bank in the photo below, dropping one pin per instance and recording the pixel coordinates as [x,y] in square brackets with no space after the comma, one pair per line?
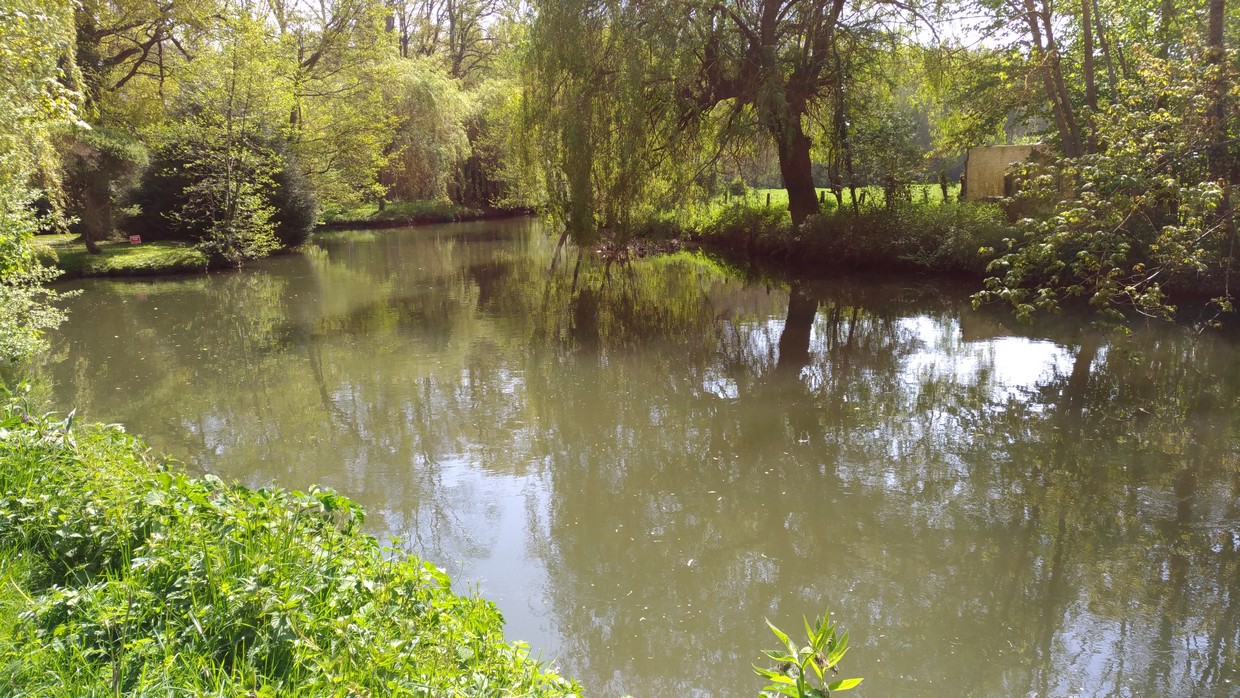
[121,258]
[926,233]
[164,258]
[947,239]
[403,213]
[120,574]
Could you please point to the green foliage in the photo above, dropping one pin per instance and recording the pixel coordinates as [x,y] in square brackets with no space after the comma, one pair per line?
[26,305]
[742,219]
[292,198]
[1130,223]
[136,579]
[36,39]
[430,141]
[418,211]
[123,259]
[799,668]
[737,187]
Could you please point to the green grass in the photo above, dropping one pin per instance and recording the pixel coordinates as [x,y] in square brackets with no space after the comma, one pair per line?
[925,234]
[920,194]
[121,258]
[123,575]
[398,211]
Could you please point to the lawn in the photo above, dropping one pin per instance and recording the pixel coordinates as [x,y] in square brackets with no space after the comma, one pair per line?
[159,257]
[921,193]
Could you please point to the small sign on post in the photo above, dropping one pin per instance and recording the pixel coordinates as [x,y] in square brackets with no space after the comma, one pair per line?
[135,239]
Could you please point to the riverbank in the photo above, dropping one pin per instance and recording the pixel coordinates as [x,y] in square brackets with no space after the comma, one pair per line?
[120,574]
[400,214]
[926,232]
[939,238]
[120,258]
[117,258]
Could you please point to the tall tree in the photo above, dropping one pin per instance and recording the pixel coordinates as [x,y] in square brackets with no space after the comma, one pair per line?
[708,69]
[36,62]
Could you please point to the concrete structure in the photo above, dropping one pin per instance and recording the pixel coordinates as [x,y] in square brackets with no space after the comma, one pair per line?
[986,169]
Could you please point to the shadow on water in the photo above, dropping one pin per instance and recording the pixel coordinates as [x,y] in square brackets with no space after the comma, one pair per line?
[641,465]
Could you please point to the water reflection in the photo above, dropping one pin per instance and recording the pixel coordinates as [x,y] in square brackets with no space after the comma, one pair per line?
[643,463]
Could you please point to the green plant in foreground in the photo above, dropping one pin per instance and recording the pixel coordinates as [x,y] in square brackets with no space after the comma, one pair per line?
[122,575]
[797,666]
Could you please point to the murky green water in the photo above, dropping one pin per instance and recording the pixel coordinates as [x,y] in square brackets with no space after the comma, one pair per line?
[640,471]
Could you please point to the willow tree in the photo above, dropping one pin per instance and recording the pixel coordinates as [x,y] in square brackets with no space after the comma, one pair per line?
[645,78]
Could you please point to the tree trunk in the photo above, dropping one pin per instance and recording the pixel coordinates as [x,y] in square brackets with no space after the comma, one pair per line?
[1056,66]
[1221,165]
[1105,42]
[1043,55]
[1087,66]
[1165,10]
[96,213]
[794,165]
[1216,57]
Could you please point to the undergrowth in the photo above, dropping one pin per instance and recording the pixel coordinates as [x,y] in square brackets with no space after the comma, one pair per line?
[123,575]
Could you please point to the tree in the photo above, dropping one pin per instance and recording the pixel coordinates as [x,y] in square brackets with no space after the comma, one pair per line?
[119,41]
[98,162]
[430,138]
[36,60]
[219,177]
[337,63]
[713,72]
[455,30]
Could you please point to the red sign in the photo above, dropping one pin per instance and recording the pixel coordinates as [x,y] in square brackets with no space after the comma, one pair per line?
[135,239]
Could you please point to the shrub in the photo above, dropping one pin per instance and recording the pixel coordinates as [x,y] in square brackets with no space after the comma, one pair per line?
[237,201]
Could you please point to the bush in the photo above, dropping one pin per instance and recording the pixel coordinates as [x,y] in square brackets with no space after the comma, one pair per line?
[258,202]
[296,209]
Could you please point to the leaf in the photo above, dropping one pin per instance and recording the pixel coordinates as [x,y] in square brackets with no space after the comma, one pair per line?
[843,684]
[783,637]
[774,676]
[777,656]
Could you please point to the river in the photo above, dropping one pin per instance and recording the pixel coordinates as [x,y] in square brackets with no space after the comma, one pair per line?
[641,465]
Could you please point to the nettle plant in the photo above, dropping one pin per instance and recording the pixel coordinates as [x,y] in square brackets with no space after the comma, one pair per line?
[804,671]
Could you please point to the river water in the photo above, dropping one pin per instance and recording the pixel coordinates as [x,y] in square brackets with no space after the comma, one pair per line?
[641,468]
